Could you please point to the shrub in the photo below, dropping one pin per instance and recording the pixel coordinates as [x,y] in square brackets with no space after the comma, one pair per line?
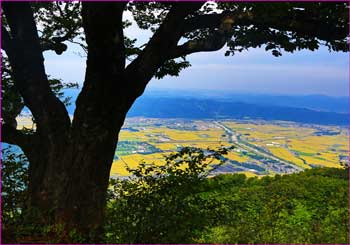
[161,204]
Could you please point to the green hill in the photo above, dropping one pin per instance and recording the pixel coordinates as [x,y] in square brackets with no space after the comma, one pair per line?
[307,207]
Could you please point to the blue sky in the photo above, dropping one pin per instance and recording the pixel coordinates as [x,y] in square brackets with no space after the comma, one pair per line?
[252,71]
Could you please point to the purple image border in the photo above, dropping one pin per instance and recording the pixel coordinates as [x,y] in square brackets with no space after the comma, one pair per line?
[184,1]
[175,1]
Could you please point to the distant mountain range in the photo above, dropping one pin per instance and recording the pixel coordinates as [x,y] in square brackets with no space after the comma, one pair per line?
[318,109]
[313,102]
[213,109]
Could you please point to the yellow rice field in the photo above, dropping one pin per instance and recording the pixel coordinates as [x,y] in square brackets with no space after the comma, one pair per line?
[291,142]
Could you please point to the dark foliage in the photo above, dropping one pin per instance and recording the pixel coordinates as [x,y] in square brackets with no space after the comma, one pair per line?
[157,204]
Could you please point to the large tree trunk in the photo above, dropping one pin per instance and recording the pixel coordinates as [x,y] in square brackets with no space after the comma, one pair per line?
[70,161]
[68,182]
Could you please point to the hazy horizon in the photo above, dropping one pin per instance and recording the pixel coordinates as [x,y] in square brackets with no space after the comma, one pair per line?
[223,91]
[150,91]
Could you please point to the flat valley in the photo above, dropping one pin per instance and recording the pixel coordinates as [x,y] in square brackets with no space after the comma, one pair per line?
[259,147]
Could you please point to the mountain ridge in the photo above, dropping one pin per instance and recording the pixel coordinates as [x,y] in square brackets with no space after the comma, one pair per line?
[212,109]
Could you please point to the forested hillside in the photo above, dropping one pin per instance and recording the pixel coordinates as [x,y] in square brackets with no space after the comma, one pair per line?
[308,207]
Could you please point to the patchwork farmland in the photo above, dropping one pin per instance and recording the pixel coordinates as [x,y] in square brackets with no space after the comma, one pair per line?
[260,147]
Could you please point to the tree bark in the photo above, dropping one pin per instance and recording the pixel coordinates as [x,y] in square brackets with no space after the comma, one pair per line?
[71,189]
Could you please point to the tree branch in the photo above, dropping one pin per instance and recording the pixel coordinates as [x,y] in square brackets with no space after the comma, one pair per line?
[142,69]
[66,27]
[210,21]
[55,44]
[221,26]
[214,42]
[27,64]
[215,21]
[105,68]
[58,46]
[300,22]
[13,136]
[5,39]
